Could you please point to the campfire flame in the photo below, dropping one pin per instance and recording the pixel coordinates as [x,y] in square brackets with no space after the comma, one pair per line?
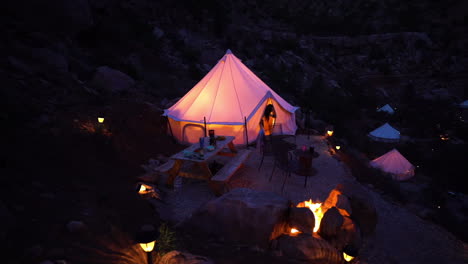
[316,209]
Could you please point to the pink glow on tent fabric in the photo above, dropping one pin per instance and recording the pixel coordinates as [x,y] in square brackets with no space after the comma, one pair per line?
[227,94]
[393,162]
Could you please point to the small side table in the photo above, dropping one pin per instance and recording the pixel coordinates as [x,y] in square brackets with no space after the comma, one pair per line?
[304,159]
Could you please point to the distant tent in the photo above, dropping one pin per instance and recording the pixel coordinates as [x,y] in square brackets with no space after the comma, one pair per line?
[394,163]
[386,108]
[464,104]
[385,133]
[230,97]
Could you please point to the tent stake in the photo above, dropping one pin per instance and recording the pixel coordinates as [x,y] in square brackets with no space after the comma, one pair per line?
[246,132]
[204,121]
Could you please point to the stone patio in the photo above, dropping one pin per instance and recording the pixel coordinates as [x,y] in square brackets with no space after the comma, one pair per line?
[401,237]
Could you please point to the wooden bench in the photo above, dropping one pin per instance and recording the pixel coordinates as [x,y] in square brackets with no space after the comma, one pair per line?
[219,180]
[153,176]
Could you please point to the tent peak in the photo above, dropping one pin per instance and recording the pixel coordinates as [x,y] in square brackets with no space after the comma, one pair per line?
[228,51]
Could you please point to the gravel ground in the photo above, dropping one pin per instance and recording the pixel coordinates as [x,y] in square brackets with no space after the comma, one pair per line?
[400,237]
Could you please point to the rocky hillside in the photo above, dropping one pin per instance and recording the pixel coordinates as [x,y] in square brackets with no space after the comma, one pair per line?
[63,63]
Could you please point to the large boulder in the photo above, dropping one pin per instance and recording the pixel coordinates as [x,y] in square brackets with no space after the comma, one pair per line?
[305,247]
[348,235]
[6,222]
[302,219]
[331,223]
[337,199]
[50,60]
[178,257]
[242,216]
[112,80]
[62,16]
[362,206]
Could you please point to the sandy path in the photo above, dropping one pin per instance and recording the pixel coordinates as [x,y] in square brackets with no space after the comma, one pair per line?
[400,237]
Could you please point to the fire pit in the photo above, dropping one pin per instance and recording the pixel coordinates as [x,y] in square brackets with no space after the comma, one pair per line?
[316,209]
[329,233]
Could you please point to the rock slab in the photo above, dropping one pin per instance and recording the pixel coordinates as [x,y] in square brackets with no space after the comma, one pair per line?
[242,216]
[112,80]
[178,257]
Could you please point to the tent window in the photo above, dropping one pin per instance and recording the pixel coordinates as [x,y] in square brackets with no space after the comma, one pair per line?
[268,119]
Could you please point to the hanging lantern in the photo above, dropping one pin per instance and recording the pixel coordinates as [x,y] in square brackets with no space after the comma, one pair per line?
[330,133]
[100,120]
[337,147]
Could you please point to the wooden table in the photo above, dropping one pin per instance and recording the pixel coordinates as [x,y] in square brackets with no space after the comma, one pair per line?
[203,171]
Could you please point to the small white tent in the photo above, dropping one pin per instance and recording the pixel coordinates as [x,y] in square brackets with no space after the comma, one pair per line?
[230,98]
[394,163]
[386,108]
[464,104]
[385,133]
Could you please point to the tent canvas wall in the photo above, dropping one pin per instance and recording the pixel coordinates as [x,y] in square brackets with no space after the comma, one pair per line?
[385,133]
[386,108]
[230,97]
[464,104]
[394,163]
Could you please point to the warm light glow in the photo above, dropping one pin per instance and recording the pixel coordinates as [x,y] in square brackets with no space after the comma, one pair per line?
[347,257]
[145,189]
[316,209]
[294,231]
[444,137]
[148,247]
[337,147]
[330,133]
[100,119]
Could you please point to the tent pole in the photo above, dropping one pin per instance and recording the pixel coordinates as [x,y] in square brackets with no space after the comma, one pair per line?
[204,121]
[170,129]
[246,132]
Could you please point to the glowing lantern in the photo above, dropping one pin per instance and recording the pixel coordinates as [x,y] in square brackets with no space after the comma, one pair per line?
[147,240]
[349,253]
[144,188]
[444,137]
[148,246]
[337,147]
[347,257]
[100,120]
[294,231]
[330,133]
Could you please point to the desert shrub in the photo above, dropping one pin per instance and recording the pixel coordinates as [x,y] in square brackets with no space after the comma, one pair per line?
[167,240]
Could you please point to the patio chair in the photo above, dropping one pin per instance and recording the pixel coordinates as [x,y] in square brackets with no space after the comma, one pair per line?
[282,158]
[266,141]
[264,145]
[278,132]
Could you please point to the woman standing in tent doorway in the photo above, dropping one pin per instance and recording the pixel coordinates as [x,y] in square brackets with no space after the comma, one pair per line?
[268,119]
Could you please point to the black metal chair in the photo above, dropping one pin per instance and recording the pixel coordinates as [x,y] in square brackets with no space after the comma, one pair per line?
[282,158]
[265,147]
